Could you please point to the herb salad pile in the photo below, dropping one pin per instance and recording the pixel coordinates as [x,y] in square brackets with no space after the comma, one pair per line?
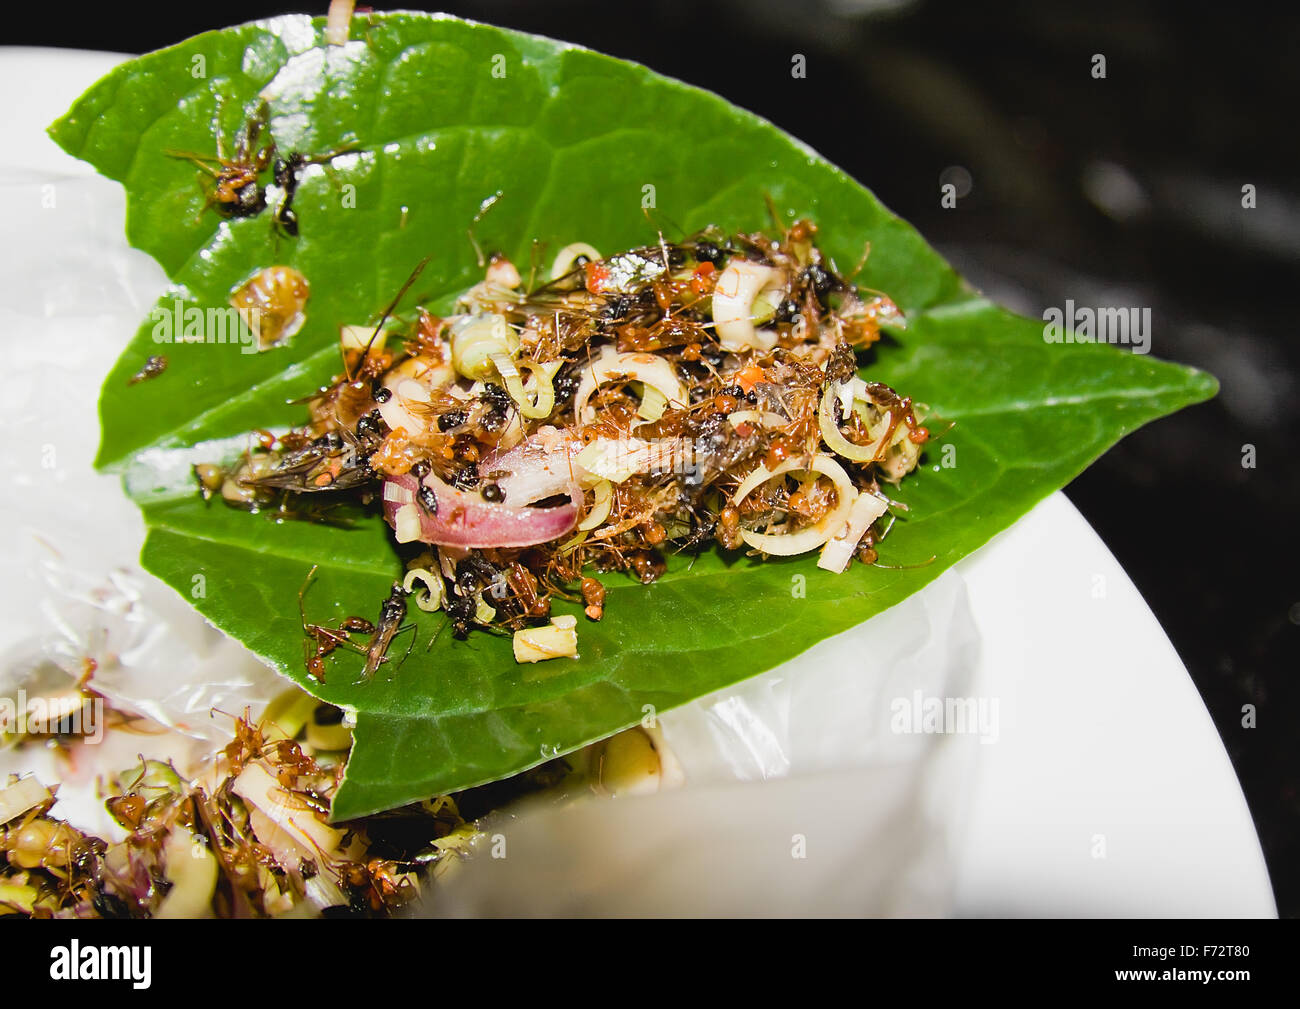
[661,399]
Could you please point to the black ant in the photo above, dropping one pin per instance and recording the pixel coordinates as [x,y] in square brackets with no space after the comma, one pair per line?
[285,172]
[286,177]
[391,615]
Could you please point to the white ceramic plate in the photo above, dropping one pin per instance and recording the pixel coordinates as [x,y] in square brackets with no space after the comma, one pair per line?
[1107,792]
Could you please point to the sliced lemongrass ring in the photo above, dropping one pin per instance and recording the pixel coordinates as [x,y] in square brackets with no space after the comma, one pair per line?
[604,497]
[810,537]
[836,441]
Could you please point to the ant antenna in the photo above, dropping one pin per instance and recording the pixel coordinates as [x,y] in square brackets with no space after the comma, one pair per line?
[483,209]
[650,218]
[384,318]
[773,213]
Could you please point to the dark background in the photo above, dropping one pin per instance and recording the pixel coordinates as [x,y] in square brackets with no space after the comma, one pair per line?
[1124,191]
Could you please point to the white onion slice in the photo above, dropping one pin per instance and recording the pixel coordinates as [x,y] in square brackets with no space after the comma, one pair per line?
[338,21]
[430,598]
[653,404]
[400,409]
[406,523]
[23,795]
[600,504]
[476,338]
[543,401]
[396,492]
[296,827]
[362,339]
[836,441]
[616,459]
[191,870]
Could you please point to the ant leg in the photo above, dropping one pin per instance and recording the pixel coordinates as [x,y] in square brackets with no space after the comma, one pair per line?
[336,638]
[221,134]
[407,654]
[302,614]
[201,161]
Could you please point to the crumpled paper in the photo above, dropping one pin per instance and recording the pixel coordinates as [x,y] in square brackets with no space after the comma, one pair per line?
[72,294]
[801,798]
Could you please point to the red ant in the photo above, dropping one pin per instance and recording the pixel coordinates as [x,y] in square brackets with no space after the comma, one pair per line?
[326,639]
[321,640]
[236,191]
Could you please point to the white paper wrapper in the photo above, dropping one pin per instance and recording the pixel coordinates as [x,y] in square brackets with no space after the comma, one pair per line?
[72,586]
[800,796]
[71,539]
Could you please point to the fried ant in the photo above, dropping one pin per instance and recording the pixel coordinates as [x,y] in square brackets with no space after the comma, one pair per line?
[237,191]
[284,758]
[371,885]
[285,172]
[152,368]
[391,615]
[37,841]
[320,641]
[378,880]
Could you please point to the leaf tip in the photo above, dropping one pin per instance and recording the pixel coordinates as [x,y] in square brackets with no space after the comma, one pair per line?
[1202,384]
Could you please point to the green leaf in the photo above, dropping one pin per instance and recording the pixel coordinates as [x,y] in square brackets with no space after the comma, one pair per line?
[570,138]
